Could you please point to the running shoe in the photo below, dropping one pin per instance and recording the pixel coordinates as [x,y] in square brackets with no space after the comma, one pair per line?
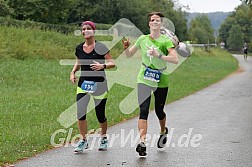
[81,146]
[103,144]
[162,139]
[141,149]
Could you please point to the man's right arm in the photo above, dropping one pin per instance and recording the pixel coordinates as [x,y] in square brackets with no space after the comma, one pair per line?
[130,52]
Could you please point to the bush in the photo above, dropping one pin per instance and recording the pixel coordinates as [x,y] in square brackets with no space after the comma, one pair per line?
[66,28]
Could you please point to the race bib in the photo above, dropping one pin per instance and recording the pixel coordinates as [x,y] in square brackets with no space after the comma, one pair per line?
[152,75]
[89,86]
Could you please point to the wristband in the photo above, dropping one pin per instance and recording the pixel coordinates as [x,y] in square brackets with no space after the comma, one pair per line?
[160,56]
[104,66]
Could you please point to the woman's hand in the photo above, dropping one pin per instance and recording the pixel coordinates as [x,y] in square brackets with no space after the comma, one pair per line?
[73,78]
[96,66]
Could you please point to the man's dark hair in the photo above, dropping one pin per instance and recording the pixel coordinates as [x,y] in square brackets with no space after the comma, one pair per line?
[155,13]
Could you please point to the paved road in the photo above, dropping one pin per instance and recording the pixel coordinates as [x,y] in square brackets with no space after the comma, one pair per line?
[217,121]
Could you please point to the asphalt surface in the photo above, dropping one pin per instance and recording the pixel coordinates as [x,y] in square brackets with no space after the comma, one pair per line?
[212,127]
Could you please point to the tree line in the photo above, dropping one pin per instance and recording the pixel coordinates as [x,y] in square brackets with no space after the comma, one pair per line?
[99,11]
[235,29]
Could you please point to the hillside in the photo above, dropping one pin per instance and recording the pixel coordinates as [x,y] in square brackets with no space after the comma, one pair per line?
[216,18]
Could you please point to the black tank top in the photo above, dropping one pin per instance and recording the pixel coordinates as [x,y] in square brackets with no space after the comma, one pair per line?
[97,54]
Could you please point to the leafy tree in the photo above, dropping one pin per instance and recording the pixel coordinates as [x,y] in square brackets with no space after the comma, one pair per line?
[178,17]
[199,35]
[200,30]
[99,11]
[235,39]
[48,11]
[249,2]
[225,27]
[136,12]
[83,10]
[241,16]
[110,11]
[5,9]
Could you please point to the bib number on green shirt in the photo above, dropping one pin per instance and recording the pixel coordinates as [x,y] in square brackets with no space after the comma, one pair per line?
[152,75]
[89,86]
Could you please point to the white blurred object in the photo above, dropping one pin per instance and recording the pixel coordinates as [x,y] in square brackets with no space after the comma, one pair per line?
[77,32]
[183,50]
[170,35]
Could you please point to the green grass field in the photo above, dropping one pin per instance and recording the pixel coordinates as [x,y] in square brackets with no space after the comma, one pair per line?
[35,88]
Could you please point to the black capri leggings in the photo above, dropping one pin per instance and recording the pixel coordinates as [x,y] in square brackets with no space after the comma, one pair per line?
[144,98]
[82,103]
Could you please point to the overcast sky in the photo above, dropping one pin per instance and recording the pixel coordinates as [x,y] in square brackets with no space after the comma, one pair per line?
[206,6]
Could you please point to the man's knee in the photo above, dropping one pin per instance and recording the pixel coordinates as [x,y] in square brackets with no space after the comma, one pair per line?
[160,114]
[144,114]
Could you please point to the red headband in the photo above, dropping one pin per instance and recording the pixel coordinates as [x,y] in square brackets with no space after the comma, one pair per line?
[90,23]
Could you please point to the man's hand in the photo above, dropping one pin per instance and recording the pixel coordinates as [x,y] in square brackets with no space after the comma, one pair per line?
[125,42]
[152,51]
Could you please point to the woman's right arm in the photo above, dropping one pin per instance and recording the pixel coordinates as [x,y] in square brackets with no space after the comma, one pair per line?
[76,67]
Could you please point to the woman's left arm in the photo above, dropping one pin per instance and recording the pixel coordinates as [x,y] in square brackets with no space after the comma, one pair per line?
[109,63]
